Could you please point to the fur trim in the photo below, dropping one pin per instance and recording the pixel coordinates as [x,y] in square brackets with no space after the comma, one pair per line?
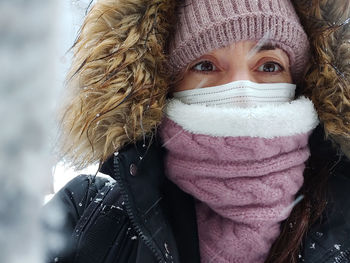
[286,119]
[327,80]
[117,83]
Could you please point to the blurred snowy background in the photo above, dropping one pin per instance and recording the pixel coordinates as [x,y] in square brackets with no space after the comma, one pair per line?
[35,36]
[70,19]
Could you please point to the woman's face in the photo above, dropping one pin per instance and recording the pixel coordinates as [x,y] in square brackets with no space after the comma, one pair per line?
[244,60]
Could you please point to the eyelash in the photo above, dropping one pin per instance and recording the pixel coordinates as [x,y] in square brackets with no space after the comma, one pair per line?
[208,72]
[203,71]
[281,68]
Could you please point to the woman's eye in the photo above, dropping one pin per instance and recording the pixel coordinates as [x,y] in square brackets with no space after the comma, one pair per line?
[204,66]
[270,67]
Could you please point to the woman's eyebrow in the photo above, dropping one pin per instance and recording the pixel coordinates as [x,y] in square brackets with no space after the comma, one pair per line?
[266,47]
[259,47]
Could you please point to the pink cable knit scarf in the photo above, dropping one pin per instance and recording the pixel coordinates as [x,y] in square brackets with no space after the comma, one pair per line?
[244,183]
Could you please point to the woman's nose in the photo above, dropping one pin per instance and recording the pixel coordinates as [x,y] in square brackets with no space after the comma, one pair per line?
[235,74]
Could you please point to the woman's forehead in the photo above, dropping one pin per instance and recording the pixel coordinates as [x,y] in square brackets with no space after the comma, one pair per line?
[251,47]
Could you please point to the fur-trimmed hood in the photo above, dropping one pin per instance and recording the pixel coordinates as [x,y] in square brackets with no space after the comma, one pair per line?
[117,84]
[327,79]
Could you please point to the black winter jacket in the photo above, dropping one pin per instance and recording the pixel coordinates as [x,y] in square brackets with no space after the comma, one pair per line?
[142,217]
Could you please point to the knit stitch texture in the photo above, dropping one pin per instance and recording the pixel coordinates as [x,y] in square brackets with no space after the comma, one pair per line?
[244,187]
[205,25]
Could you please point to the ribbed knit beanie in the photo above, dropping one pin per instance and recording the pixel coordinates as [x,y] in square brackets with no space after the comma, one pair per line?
[205,25]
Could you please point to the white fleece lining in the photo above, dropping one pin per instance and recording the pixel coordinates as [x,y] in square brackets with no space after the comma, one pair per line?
[268,121]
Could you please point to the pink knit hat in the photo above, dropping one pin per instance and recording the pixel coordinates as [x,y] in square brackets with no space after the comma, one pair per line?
[205,25]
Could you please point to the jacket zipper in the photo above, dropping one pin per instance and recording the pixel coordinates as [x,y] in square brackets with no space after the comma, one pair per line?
[344,255]
[129,209]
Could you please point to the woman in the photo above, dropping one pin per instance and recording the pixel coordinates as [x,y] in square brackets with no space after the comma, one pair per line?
[219,177]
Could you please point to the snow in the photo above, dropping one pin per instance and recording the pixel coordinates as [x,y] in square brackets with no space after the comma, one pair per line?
[34,38]
[319,234]
[337,246]
[63,174]
[28,90]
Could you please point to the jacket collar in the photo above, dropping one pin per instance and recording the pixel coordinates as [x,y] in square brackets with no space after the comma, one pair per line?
[140,172]
[163,212]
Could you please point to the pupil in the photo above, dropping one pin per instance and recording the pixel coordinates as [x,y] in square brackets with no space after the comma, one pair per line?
[269,67]
[206,66]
